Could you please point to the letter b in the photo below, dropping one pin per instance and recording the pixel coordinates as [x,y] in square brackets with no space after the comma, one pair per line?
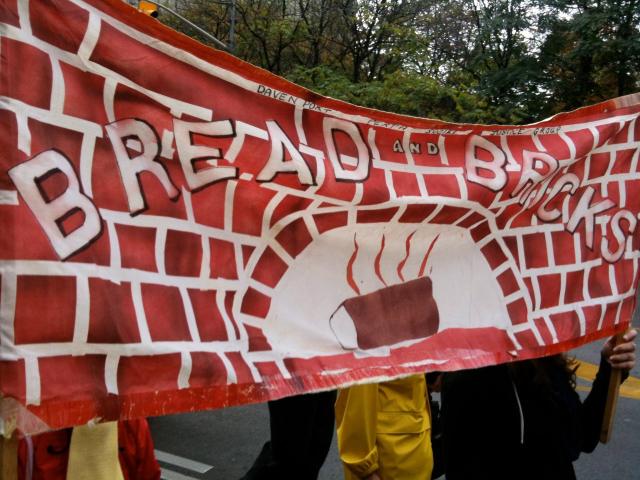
[27,178]
[494,177]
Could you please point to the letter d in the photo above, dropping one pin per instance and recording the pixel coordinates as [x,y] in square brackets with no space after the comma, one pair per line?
[27,178]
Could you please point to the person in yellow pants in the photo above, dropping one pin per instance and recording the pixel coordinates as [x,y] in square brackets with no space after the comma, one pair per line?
[384,430]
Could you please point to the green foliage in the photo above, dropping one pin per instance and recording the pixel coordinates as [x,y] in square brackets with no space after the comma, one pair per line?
[479,61]
[408,93]
[592,55]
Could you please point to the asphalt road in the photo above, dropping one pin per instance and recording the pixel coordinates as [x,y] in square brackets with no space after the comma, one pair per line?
[225,442]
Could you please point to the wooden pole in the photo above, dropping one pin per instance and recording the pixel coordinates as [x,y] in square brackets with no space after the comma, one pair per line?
[612,400]
[9,458]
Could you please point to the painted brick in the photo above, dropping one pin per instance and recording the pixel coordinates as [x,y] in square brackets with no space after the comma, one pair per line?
[269,269]
[208,318]
[376,216]
[563,251]
[295,237]
[527,339]
[183,254]
[442,185]
[535,250]
[574,287]
[55,323]
[449,214]
[598,278]
[517,311]
[9,13]
[223,259]
[33,89]
[405,184]
[376,192]
[268,370]
[493,254]
[255,303]
[242,370]
[508,282]
[165,314]
[80,378]
[416,213]
[252,197]
[44,18]
[112,316]
[567,325]
[541,325]
[257,341]
[550,288]
[137,247]
[83,97]
[207,369]
[142,374]
[289,205]
[329,221]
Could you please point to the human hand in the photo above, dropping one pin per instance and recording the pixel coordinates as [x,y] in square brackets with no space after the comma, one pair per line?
[434,381]
[621,356]
[373,476]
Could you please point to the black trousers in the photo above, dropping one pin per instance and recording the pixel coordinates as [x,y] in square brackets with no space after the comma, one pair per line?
[301,432]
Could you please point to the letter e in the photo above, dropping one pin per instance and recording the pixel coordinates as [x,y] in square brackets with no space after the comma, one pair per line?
[189,153]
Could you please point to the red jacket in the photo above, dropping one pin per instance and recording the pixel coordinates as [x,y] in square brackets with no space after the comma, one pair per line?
[45,456]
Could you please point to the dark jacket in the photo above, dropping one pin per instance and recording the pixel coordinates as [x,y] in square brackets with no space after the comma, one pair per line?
[509,422]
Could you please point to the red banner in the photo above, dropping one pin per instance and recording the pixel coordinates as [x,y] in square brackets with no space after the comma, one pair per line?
[181,230]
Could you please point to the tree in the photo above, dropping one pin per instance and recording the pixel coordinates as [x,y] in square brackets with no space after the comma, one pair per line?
[374,33]
[494,61]
[592,52]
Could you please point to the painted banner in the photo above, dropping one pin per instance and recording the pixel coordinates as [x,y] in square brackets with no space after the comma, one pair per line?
[180,230]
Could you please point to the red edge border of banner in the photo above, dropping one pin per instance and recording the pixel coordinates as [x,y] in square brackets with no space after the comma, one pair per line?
[114,407]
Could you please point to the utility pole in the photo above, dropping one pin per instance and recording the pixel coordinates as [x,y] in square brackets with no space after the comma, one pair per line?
[232,27]
[143,6]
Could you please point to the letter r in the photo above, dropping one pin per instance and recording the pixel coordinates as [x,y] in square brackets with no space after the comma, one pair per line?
[131,168]
[27,177]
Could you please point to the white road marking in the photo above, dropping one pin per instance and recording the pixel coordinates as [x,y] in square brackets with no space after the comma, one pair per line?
[182,462]
[171,475]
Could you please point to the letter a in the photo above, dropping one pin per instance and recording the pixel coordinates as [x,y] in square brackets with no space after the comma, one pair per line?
[277,164]
[27,178]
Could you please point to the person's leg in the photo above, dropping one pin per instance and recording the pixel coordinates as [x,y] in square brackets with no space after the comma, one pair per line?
[301,433]
[263,467]
[324,425]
